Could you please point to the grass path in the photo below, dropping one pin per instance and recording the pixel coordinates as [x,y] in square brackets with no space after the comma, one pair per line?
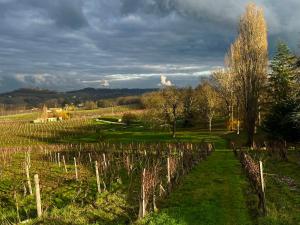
[213,193]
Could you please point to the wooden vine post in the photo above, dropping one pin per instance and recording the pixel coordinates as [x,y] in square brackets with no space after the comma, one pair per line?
[17,205]
[38,195]
[28,177]
[142,211]
[58,159]
[90,158]
[97,177]
[168,173]
[64,162]
[104,160]
[263,196]
[76,172]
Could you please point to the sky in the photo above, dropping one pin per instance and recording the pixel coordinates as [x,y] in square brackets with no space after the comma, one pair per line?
[72,44]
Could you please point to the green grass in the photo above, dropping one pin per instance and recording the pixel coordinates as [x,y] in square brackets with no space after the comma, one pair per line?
[282,189]
[22,116]
[282,183]
[105,111]
[139,133]
[213,193]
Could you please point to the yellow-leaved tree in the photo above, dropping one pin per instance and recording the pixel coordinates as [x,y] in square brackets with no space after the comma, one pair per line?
[248,59]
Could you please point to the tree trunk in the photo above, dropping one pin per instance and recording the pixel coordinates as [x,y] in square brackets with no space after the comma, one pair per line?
[174,129]
[251,118]
[174,121]
[250,132]
[232,127]
[238,120]
[229,117]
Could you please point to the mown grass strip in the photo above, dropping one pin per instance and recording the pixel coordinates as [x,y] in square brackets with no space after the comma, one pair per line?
[213,193]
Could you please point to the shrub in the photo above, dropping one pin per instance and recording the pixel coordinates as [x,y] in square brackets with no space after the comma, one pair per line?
[283,121]
[90,105]
[129,118]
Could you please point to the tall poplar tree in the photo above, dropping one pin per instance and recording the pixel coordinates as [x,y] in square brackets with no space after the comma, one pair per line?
[248,59]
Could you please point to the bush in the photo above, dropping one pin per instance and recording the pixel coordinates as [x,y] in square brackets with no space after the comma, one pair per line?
[283,121]
[105,103]
[90,105]
[129,100]
[129,118]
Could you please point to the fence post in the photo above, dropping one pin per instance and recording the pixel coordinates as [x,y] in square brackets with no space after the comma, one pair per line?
[263,197]
[75,165]
[104,160]
[64,162]
[97,177]
[90,158]
[58,158]
[142,211]
[28,177]
[17,205]
[169,172]
[38,195]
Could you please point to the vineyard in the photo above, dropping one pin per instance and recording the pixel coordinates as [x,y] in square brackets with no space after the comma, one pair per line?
[17,130]
[26,134]
[139,172]
[80,171]
[131,178]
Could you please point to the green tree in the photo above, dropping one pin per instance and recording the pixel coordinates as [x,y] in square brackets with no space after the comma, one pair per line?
[282,80]
[283,120]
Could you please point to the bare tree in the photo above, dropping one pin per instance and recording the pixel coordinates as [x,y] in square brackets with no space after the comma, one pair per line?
[172,106]
[189,106]
[208,101]
[225,84]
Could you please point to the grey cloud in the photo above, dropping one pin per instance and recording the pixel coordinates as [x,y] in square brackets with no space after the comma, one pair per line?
[64,13]
[58,44]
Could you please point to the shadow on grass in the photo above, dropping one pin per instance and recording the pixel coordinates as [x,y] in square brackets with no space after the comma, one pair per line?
[98,132]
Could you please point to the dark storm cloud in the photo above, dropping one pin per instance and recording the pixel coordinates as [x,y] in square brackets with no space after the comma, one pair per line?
[70,44]
[67,13]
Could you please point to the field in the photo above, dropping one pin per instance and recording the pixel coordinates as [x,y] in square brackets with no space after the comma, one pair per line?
[142,176]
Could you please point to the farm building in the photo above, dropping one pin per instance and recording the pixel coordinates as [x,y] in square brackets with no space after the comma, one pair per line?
[51,115]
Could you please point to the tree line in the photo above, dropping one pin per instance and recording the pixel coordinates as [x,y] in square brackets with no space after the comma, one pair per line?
[251,91]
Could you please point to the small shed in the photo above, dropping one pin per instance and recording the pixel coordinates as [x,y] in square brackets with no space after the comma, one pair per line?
[40,120]
[52,119]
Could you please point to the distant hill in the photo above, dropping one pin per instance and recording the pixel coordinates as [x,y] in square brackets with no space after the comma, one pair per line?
[37,97]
